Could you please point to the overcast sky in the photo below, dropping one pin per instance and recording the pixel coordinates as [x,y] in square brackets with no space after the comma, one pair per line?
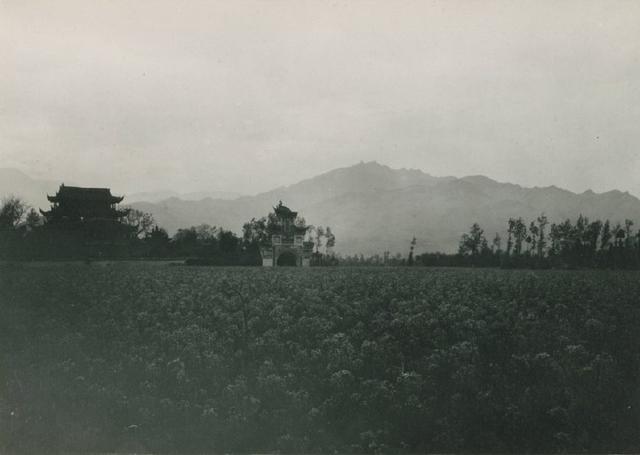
[245,96]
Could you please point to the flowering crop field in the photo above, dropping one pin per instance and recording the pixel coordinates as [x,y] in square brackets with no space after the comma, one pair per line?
[137,357]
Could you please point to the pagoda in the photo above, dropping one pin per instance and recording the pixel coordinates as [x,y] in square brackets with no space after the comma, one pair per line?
[287,246]
[73,204]
[87,221]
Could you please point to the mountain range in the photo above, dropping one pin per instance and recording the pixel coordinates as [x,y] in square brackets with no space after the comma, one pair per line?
[158,196]
[371,207]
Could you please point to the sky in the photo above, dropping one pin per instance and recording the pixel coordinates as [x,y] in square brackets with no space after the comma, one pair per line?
[246,96]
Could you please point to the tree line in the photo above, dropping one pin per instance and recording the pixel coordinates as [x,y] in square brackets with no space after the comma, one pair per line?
[24,234]
[582,243]
[537,243]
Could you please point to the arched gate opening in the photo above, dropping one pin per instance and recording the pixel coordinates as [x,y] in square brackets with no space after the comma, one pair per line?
[287,259]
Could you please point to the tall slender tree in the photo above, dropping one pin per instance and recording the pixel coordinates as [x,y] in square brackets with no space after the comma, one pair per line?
[413,245]
[605,237]
[519,234]
[496,244]
[542,239]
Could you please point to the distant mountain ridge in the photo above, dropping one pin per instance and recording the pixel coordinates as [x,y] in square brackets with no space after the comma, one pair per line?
[373,208]
[33,191]
[158,196]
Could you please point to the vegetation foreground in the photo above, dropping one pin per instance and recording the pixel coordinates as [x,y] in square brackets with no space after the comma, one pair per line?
[156,358]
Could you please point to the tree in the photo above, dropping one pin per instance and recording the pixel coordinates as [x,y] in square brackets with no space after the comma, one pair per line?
[185,241]
[158,241]
[542,240]
[619,235]
[33,219]
[206,233]
[628,233]
[496,244]
[592,235]
[532,238]
[510,230]
[331,240]
[318,235]
[255,232]
[141,222]
[563,240]
[606,235]
[228,242]
[519,234]
[413,245]
[12,212]
[471,243]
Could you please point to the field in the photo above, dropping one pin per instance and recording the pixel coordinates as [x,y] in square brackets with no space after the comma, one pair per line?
[136,357]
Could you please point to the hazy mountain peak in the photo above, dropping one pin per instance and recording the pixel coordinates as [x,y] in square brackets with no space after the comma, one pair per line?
[32,191]
[479,179]
[363,167]
[372,163]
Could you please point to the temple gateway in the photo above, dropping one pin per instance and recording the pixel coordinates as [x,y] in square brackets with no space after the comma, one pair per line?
[287,246]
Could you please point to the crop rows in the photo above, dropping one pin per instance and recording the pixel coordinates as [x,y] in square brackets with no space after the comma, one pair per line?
[138,357]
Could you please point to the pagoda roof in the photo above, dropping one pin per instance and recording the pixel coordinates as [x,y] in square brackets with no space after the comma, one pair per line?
[85,194]
[283,211]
